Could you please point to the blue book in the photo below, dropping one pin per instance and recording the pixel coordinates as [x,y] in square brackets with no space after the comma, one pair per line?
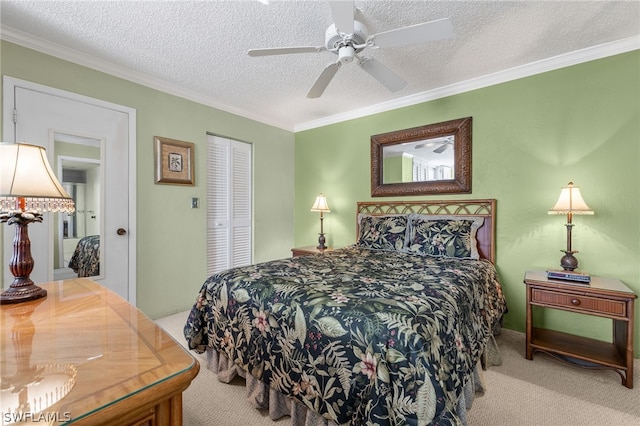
[577,277]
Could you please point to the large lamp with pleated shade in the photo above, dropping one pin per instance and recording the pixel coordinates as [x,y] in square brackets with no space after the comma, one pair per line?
[28,188]
[570,203]
[321,206]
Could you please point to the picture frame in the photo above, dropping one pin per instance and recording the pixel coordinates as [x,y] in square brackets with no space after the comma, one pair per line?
[174,161]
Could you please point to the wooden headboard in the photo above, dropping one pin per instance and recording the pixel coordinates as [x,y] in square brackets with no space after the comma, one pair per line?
[463,208]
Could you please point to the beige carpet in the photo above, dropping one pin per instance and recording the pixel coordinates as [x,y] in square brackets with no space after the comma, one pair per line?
[520,392]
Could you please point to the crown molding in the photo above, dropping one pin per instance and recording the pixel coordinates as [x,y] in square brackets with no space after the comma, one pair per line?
[53,49]
[557,62]
[550,64]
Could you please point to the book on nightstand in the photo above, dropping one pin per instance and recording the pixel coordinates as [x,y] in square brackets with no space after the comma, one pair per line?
[572,277]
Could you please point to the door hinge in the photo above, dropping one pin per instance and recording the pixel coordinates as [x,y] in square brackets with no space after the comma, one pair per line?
[15,116]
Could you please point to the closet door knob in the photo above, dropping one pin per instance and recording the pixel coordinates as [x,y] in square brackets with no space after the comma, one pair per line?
[121,231]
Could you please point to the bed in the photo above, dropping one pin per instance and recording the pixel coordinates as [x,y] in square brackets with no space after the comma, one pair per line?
[85,260]
[390,330]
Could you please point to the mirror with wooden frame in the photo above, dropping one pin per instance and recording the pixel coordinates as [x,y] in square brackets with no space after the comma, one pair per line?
[431,159]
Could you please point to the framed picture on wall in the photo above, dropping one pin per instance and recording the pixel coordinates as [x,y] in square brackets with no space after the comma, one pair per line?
[174,161]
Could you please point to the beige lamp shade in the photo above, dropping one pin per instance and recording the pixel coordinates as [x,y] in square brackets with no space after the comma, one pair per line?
[320,205]
[27,182]
[570,201]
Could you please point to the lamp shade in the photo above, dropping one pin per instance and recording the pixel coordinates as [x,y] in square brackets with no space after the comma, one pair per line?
[570,201]
[320,205]
[27,182]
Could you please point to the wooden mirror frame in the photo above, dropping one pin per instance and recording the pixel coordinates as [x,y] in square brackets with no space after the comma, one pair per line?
[461,183]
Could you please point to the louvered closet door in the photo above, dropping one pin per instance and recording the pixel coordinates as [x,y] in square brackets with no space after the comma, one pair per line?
[229,195]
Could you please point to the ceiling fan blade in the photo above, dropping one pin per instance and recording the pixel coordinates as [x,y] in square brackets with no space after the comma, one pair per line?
[423,145]
[441,148]
[419,33]
[384,75]
[343,16]
[285,50]
[323,81]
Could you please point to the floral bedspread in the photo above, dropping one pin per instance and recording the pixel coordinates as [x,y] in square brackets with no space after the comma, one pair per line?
[85,260]
[360,336]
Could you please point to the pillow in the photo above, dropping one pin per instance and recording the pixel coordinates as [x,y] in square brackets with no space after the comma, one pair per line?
[382,232]
[444,236]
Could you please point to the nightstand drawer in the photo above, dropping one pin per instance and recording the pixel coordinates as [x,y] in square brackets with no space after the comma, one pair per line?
[579,302]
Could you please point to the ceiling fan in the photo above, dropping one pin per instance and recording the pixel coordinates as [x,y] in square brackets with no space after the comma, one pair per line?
[443,144]
[348,39]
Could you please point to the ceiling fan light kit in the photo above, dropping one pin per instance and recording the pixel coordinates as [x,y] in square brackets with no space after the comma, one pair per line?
[347,38]
[346,54]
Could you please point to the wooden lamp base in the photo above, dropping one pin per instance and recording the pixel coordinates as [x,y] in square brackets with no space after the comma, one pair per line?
[22,289]
[22,293]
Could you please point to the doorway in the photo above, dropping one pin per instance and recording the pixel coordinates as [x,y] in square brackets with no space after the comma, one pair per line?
[72,127]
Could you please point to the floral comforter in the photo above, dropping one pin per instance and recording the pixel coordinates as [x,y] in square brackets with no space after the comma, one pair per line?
[360,336]
[85,260]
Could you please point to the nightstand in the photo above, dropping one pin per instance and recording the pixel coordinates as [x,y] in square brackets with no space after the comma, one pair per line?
[604,297]
[302,251]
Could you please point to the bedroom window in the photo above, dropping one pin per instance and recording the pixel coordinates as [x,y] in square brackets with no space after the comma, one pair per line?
[229,204]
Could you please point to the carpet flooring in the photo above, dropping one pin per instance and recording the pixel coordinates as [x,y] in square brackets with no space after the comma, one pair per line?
[520,392]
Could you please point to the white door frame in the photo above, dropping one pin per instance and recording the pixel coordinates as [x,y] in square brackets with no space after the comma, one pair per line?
[8,130]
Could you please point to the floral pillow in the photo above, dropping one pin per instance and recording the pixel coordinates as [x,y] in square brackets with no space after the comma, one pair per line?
[382,232]
[444,236]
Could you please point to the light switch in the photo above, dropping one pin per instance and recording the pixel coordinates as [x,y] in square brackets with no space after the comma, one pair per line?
[195,203]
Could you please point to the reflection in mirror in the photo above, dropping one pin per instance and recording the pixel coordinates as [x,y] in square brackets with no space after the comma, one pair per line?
[431,159]
[419,161]
[77,236]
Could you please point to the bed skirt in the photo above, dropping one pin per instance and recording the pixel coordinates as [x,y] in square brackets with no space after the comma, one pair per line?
[262,397]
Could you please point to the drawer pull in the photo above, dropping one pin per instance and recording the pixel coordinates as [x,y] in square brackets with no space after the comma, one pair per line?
[575,302]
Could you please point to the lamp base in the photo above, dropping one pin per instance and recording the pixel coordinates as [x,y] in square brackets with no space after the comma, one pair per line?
[22,289]
[18,293]
[568,261]
[321,241]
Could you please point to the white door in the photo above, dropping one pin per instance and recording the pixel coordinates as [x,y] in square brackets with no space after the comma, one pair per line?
[42,116]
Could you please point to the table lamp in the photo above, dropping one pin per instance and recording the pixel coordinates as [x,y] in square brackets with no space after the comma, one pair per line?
[570,202]
[28,188]
[321,206]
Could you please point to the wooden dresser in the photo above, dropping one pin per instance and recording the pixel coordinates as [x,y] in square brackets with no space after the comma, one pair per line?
[84,355]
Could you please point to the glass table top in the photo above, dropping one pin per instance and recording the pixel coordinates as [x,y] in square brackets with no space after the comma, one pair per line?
[79,350]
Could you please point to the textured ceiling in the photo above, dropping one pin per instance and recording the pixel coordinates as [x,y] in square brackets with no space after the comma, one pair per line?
[198,49]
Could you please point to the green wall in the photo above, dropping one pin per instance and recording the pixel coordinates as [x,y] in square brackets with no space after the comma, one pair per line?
[530,137]
[171,237]
[392,169]
[397,169]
